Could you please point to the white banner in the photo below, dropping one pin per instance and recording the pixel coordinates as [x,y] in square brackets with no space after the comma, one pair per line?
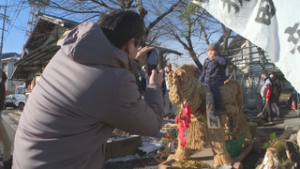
[273,25]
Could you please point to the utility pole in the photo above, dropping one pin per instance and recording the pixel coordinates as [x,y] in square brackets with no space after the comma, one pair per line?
[3,29]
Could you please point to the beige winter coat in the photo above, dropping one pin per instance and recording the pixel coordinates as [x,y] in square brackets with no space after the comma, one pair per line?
[85,92]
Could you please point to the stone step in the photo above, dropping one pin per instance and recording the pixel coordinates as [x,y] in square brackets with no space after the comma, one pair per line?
[12,118]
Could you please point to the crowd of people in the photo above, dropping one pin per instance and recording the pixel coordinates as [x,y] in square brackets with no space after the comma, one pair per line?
[65,114]
[143,82]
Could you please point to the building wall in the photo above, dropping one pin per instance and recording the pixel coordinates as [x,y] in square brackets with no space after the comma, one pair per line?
[8,67]
[254,85]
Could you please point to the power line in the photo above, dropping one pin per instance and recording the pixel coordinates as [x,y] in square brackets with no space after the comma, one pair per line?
[3,28]
[17,12]
[10,6]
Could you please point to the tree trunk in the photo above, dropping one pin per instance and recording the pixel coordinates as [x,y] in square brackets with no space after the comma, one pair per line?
[195,59]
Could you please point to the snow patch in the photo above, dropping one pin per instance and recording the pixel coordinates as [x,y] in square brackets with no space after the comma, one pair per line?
[123,159]
[224,167]
[117,138]
[149,144]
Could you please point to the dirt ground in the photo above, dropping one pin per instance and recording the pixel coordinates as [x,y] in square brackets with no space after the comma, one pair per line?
[263,131]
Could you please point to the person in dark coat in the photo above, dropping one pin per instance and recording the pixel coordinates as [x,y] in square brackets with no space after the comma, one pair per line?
[213,74]
[143,82]
[7,160]
[169,107]
[3,78]
[164,87]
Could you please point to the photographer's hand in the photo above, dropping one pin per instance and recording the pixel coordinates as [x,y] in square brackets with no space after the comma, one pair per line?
[142,54]
[156,77]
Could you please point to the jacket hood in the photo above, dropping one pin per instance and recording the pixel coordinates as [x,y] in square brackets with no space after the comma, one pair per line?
[87,44]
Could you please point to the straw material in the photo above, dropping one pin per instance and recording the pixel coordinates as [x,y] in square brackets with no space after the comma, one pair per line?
[185,89]
[184,86]
[272,155]
[196,140]
[190,164]
[182,153]
[221,155]
[197,136]
[232,99]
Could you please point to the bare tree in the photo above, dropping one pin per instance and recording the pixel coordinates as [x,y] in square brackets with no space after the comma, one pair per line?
[194,29]
[81,10]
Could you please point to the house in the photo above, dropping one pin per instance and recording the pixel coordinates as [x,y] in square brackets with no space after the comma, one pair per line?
[41,46]
[250,62]
[7,64]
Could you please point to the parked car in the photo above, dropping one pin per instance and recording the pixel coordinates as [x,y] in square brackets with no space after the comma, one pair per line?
[16,100]
[10,101]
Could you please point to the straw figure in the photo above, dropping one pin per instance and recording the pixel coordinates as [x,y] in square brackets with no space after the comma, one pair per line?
[271,160]
[190,95]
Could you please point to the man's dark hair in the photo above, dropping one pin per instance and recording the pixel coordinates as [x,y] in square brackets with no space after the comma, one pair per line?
[119,26]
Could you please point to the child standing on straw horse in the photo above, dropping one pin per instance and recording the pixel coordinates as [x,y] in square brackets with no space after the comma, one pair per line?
[213,74]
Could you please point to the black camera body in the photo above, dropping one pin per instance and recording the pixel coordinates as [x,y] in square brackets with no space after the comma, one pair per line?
[154,61]
[155,58]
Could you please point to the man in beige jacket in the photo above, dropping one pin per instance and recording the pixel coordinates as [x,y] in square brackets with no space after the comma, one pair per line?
[85,92]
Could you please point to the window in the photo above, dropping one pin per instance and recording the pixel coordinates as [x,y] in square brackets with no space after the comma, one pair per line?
[5,67]
[20,90]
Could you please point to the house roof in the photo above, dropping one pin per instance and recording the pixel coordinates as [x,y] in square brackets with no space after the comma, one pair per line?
[257,64]
[33,62]
[41,45]
[166,50]
[8,55]
[44,28]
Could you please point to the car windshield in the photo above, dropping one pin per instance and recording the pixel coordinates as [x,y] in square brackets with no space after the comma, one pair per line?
[20,90]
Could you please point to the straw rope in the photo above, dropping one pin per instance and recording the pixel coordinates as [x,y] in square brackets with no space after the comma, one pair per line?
[186,90]
[272,155]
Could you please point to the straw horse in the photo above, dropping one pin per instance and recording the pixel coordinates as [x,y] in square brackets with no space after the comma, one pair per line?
[186,89]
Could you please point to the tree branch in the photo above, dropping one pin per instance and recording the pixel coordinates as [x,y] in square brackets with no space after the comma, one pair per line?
[122,4]
[204,33]
[155,36]
[225,35]
[102,4]
[225,42]
[159,18]
[91,17]
[69,10]
[143,12]
[188,37]
[129,4]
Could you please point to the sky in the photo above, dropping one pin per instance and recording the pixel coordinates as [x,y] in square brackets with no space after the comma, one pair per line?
[18,15]
[15,28]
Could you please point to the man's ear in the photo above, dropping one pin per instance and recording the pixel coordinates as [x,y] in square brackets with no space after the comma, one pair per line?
[127,47]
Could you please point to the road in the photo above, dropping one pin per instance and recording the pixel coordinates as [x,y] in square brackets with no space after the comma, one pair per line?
[10,121]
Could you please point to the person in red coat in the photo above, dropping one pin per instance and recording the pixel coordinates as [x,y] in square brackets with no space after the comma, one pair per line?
[268,85]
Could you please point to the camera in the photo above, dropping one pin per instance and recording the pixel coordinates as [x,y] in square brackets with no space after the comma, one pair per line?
[154,61]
